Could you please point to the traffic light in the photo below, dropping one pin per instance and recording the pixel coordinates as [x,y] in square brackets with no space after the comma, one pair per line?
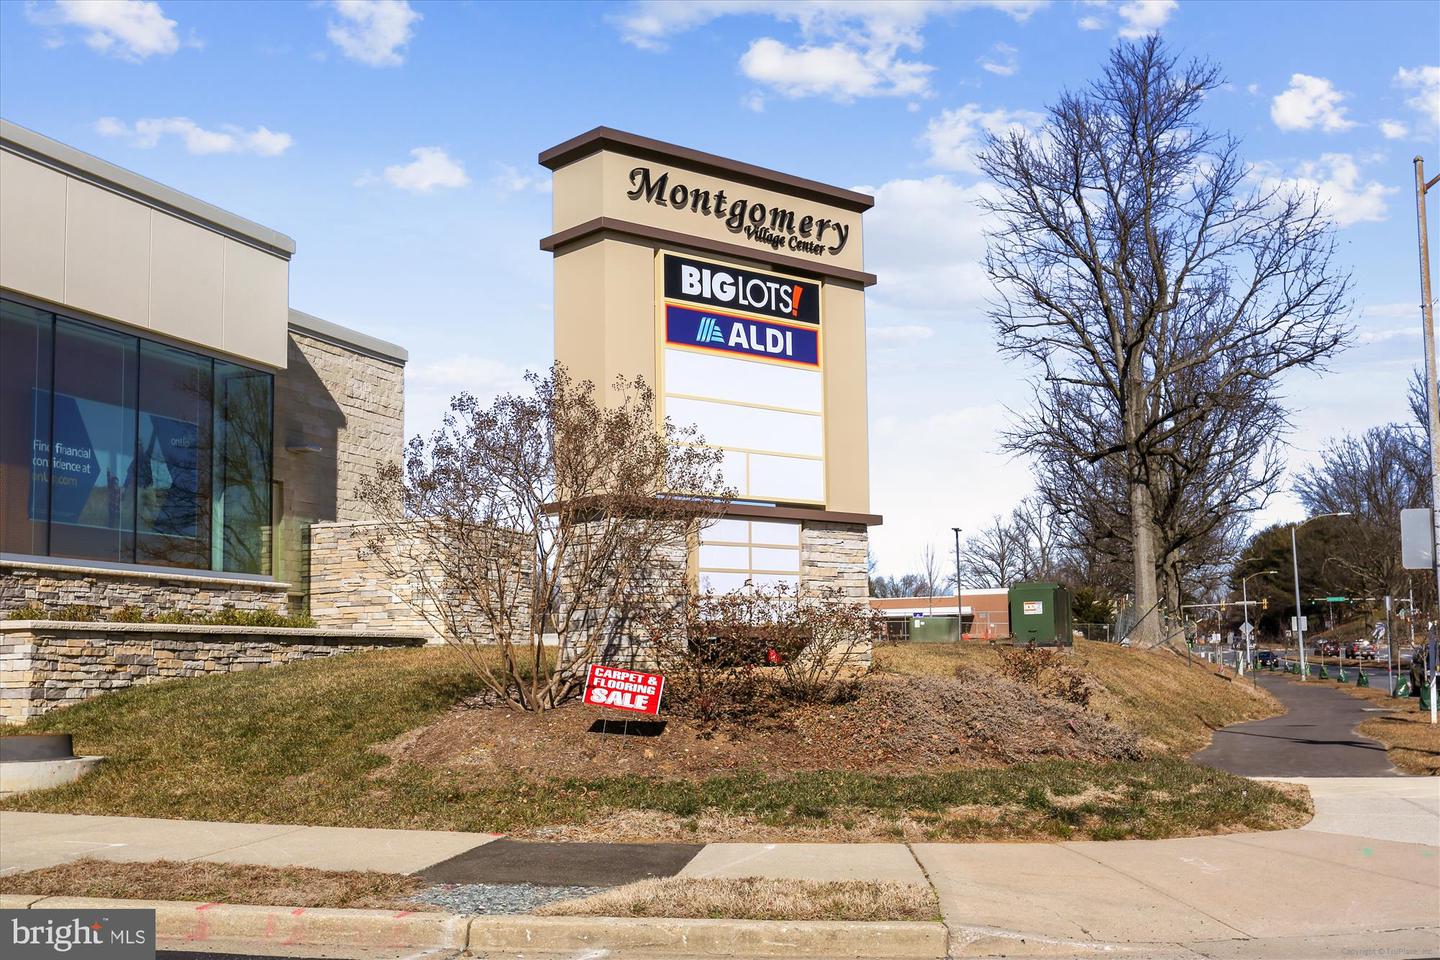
[1264,603]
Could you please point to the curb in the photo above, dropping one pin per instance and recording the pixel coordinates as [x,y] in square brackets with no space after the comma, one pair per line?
[190,924]
[656,937]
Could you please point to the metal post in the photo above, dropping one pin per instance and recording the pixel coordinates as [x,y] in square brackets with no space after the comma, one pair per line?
[959,597]
[1245,605]
[1389,648]
[1299,617]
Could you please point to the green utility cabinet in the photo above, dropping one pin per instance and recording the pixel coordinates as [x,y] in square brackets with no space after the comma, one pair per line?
[934,629]
[1040,615]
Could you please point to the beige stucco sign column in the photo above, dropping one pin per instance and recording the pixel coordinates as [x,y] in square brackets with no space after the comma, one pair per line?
[739,292]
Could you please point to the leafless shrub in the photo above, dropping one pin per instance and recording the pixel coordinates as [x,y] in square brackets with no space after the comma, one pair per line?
[546,513]
[726,655]
[1044,669]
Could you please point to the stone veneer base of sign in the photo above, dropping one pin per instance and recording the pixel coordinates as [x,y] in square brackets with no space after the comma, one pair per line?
[46,664]
[54,586]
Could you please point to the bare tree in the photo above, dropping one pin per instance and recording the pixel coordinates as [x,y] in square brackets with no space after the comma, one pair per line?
[906,585]
[546,512]
[993,557]
[931,571]
[1036,529]
[1373,477]
[1127,248]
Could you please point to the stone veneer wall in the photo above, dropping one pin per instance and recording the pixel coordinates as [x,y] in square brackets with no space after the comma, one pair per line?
[349,406]
[57,585]
[835,555]
[351,591]
[44,664]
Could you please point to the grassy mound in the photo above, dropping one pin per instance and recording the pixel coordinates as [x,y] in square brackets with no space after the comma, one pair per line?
[1172,704]
[320,742]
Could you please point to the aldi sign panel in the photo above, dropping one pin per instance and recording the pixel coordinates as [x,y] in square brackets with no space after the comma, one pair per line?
[713,330]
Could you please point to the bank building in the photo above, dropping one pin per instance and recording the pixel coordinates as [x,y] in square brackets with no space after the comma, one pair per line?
[174,435]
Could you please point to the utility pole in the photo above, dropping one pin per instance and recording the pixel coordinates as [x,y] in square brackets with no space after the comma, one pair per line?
[959,597]
[1295,563]
[1432,393]
[1245,602]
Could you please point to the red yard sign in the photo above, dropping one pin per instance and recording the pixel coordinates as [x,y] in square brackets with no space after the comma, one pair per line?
[624,689]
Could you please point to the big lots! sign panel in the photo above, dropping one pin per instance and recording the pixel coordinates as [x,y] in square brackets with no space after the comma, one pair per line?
[742,358]
[624,689]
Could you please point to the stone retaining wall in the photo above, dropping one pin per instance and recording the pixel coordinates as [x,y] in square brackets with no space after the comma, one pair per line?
[57,585]
[48,664]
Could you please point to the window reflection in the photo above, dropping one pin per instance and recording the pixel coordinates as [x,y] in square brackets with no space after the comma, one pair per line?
[141,452]
[92,446]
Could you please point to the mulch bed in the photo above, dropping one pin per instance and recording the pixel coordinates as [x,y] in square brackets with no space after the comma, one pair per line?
[895,725]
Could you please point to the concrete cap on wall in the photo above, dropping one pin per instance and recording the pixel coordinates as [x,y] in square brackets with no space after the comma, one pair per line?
[346,337]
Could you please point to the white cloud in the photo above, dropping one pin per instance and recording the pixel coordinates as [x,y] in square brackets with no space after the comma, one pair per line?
[753,101]
[431,168]
[1310,102]
[1336,179]
[649,24]
[1144,17]
[1425,82]
[1394,129]
[900,334]
[1090,23]
[926,238]
[509,179]
[839,70]
[1004,63]
[374,32]
[846,49]
[956,135]
[147,133]
[129,29]
[431,383]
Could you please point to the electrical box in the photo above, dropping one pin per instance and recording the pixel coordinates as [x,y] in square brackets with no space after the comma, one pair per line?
[1040,615]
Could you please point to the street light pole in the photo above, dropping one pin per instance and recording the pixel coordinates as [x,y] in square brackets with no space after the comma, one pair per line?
[1295,564]
[959,597]
[1245,604]
[1432,393]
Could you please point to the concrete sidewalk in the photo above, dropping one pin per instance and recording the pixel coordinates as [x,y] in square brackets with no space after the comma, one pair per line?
[29,841]
[1362,879]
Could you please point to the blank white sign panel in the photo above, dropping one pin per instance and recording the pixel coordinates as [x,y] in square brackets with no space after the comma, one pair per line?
[726,425]
[742,381]
[800,479]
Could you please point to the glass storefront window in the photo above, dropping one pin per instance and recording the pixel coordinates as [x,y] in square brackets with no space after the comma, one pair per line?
[25,336]
[120,449]
[173,480]
[92,445]
[243,414]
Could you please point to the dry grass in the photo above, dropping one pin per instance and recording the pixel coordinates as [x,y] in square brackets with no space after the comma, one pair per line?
[755,898]
[1411,741]
[1174,705]
[220,883]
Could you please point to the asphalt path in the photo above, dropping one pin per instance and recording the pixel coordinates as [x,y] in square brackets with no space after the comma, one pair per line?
[1315,737]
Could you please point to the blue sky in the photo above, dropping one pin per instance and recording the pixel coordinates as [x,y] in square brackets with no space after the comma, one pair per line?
[396,143]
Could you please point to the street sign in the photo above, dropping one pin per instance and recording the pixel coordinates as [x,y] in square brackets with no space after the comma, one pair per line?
[1379,632]
[1304,623]
[1416,548]
[1336,599]
[1246,630]
[624,689]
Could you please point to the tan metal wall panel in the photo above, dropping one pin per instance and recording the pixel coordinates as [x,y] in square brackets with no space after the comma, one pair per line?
[32,228]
